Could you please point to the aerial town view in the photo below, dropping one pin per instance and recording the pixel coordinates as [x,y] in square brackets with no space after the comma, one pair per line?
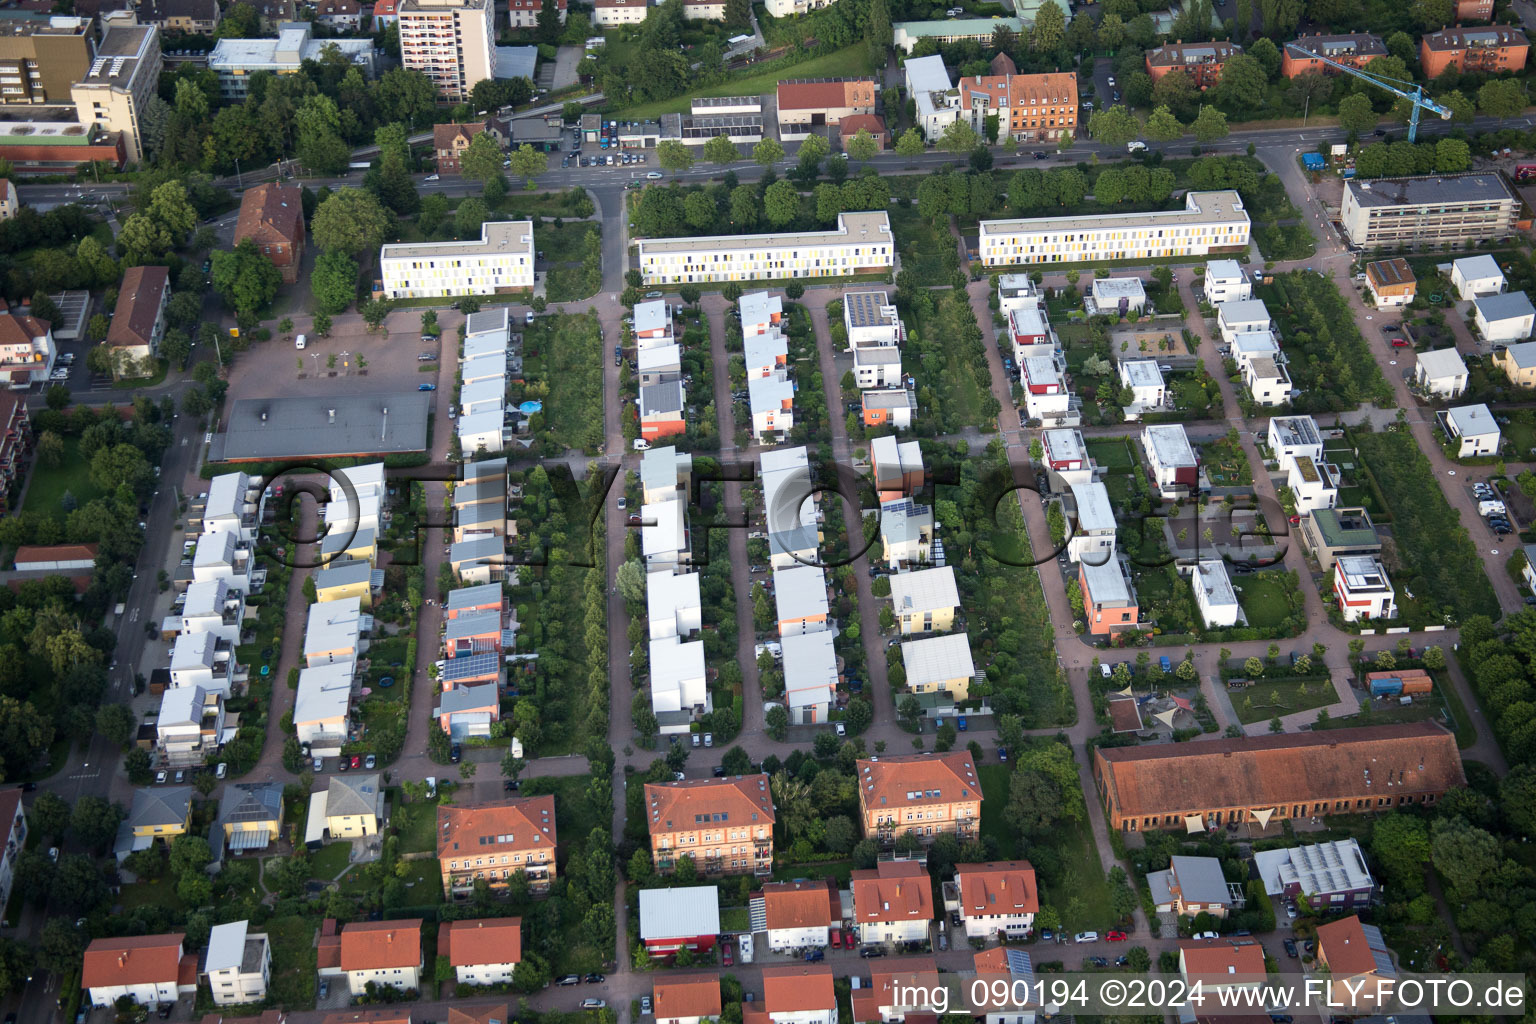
[782,512]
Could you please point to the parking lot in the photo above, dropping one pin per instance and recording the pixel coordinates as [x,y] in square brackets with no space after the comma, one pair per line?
[389,362]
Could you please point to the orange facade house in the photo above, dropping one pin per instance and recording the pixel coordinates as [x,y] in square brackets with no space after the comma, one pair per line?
[926,795]
[1202,62]
[1492,50]
[494,842]
[1263,780]
[725,825]
[1354,49]
[1029,107]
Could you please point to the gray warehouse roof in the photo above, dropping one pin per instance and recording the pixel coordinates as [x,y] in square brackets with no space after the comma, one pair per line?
[1429,190]
[324,426]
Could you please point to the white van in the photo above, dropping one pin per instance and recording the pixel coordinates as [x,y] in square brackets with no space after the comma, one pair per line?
[1488,508]
[299,341]
[642,445]
[744,947]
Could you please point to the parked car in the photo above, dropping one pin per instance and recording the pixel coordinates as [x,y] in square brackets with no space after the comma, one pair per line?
[595,979]
[221,770]
[1097,961]
[961,724]
[645,1006]
[871,952]
[1086,937]
[719,771]
[456,754]
[569,979]
[837,938]
[426,387]
[1290,948]
[593,1004]
[727,954]
[1206,935]
[160,777]
[1115,936]
[370,761]
[319,764]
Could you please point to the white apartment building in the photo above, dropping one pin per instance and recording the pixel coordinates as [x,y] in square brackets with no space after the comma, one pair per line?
[678,687]
[608,13]
[1314,483]
[321,706]
[238,964]
[653,325]
[1016,291]
[861,243]
[525,13]
[1242,316]
[672,602]
[1148,392]
[772,402]
[197,660]
[235,61]
[501,262]
[870,320]
[877,366]
[1268,380]
[1441,373]
[765,354]
[935,96]
[1293,436]
[1476,276]
[665,474]
[190,725]
[122,78]
[1066,456]
[1030,333]
[1171,459]
[760,312]
[1116,296]
[1476,429]
[664,536]
[452,42]
[231,507]
[1210,221]
[1045,388]
[1093,537]
[1000,897]
[1363,589]
[221,556]
[1214,595]
[810,676]
[211,607]
[800,600]
[1226,281]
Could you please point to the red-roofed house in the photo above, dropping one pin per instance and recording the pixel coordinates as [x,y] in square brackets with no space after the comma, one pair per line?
[798,914]
[27,350]
[810,102]
[687,998]
[495,841]
[893,902]
[145,968]
[385,13]
[138,323]
[484,951]
[877,1004]
[850,126]
[797,994]
[383,952]
[999,898]
[272,216]
[1222,963]
[1354,957]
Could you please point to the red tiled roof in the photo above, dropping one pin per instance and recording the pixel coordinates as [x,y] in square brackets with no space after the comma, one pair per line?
[893,891]
[1217,959]
[390,1016]
[812,94]
[801,904]
[55,552]
[486,940]
[271,213]
[528,821]
[377,945]
[138,306]
[139,960]
[687,995]
[798,988]
[495,1013]
[888,783]
[676,806]
[868,1001]
[998,887]
[1342,945]
[872,123]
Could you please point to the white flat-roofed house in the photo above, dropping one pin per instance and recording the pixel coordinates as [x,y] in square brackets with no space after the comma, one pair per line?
[925,601]
[1109,601]
[1030,333]
[1441,373]
[765,354]
[1045,389]
[482,430]
[789,502]
[772,403]
[1015,291]
[1243,316]
[1214,595]
[1268,380]
[794,546]
[810,676]
[800,595]
[906,532]
[334,629]
[211,607]
[198,660]
[935,96]
[897,467]
[1226,281]
[673,607]
[1117,296]
[231,507]
[678,685]
[939,665]
[761,312]
[190,725]
[1363,588]
[877,366]
[1295,435]
[1171,460]
[659,364]
[1093,535]
[222,556]
[861,243]
[1148,392]
[238,964]
[501,262]
[321,708]
[870,319]
[1506,317]
[1210,221]
[664,536]
[489,395]
[1476,276]
[1314,483]
[892,406]
[665,475]
[1254,345]
[488,343]
[1476,429]
[653,324]
[1066,457]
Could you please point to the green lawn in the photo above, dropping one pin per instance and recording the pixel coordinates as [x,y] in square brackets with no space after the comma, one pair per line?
[563,362]
[1265,699]
[423,881]
[46,490]
[840,63]
[416,824]
[838,869]
[734,919]
[329,861]
[159,893]
[1111,452]
[575,817]
[1264,600]
[293,960]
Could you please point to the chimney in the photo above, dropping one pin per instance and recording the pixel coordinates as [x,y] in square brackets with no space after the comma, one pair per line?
[330,415]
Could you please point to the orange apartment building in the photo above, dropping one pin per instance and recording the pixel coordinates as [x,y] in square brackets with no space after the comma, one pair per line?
[1474,10]
[1492,49]
[726,825]
[922,794]
[1355,49]
[495,841]
[1202,62]
[1109,600]
[1029,107]
[1266,779]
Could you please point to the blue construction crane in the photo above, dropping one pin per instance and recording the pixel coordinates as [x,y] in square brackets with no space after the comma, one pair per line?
[1414,93]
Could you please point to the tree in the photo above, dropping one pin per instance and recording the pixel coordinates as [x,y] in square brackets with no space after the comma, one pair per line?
[767,152]
[94,821]
[674,156]
[1178,92]
[1452,155]
[1401,843]
[334,281]
[721,150]
[1049,29]
[349,221]
[1113,126]
[1463,854]
[1243,83]
[781,203]
[959,136]
[776,722]
[528,164]
[862,147]
[1253,667]
[1433,14]
[630,580]
[1162,126]
[810,155]
[60,945]
[1501,98]
[910,144]
[1355,114]
[470,217]
[78,886]
[190,854]
[481,160]
[117,723]
[49,814]
[1210,125]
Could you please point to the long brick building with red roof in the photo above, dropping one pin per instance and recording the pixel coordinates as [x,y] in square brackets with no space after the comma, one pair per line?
[495,841]
[725,825]
[926,795]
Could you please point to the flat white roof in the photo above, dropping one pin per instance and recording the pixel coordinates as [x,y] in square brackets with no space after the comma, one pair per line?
[1478,268]
[1142,373]
[675,662]
[760,307]
[936,659]
[1118,288]
[324,692]
[853,228]
[1363,572]
[1170,443]
[1243,311]
[659,357]
[1064,444]
[810,668]
[1106,583]
[928,74]
[767,394]
[226,945]
[800,591]
[1224,270]
[1094,512]
[1472,420]
[1442,362]
[925,590]
[764,349]
[652,316]
[661,532]
[1212,576]
[512,237]
[679,913]
[666,594]
[1222,206]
